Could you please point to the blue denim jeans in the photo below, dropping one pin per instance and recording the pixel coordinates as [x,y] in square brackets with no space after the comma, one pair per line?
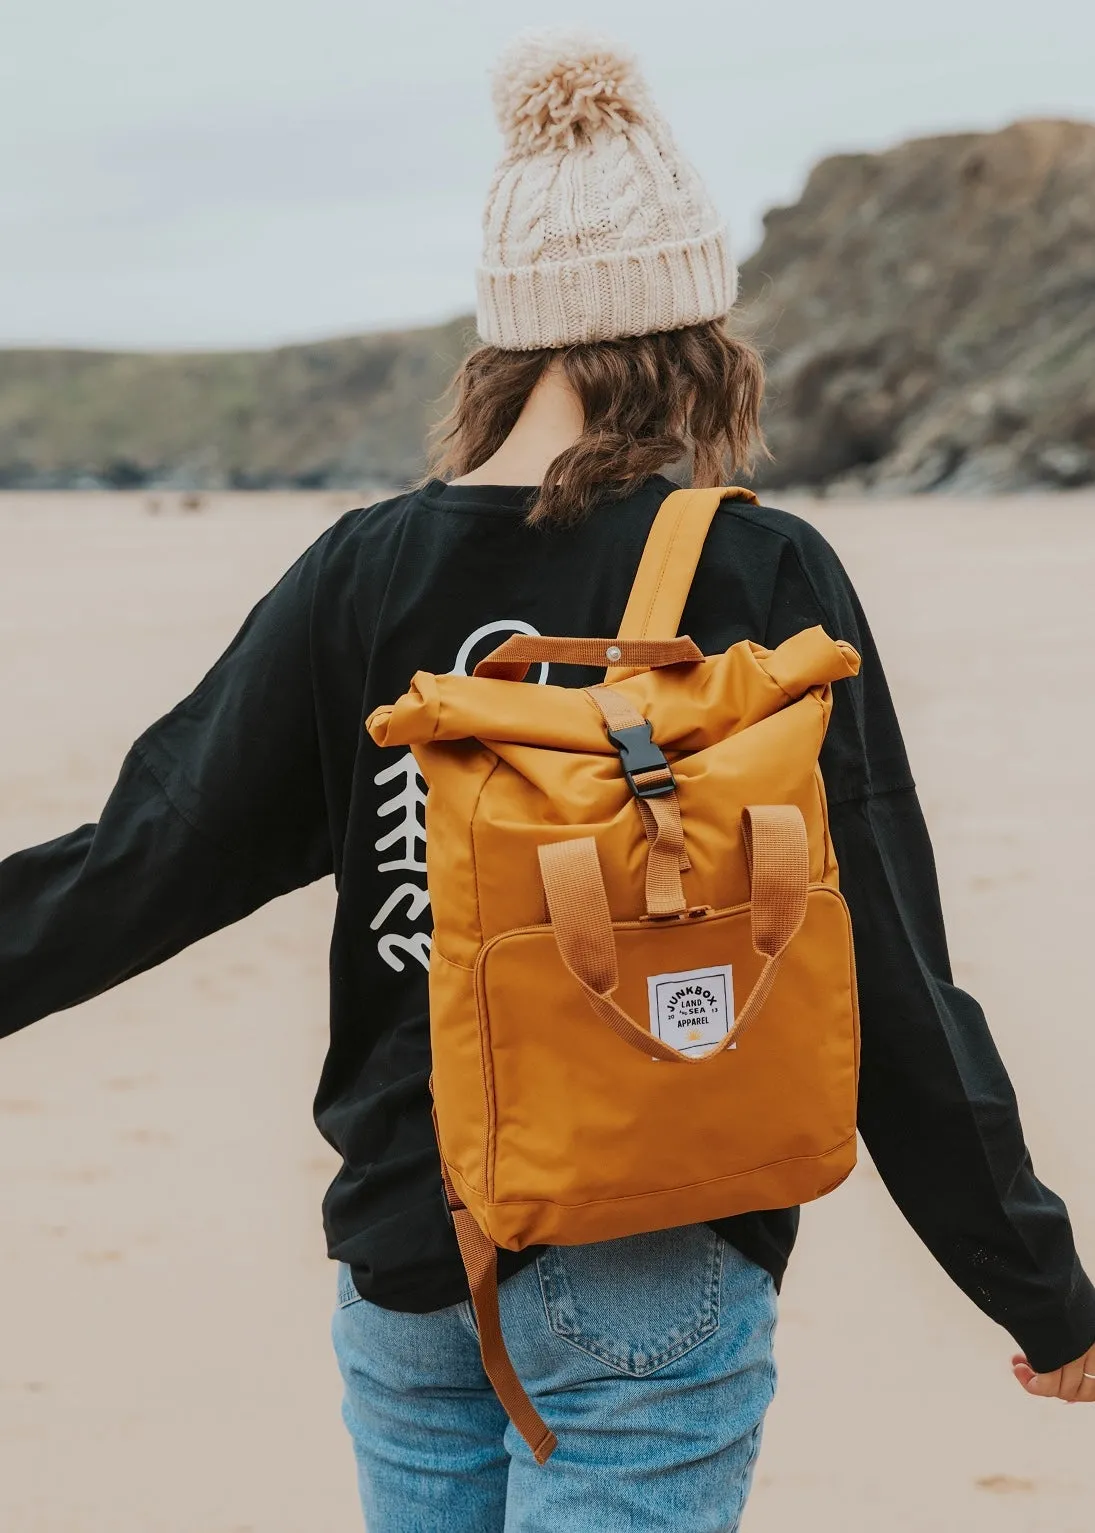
[650,1358]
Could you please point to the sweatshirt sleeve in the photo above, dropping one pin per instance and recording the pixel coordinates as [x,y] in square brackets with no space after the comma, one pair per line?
[937,1111]
[218,808]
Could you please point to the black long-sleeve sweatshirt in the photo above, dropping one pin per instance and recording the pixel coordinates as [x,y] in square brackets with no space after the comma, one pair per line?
[264,780]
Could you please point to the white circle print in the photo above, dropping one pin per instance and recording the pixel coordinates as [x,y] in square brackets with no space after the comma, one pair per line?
[506,626]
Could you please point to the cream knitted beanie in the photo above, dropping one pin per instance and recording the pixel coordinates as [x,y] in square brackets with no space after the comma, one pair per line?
[595,226]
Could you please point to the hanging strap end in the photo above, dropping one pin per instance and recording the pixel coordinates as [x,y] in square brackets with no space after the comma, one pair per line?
[545,1447]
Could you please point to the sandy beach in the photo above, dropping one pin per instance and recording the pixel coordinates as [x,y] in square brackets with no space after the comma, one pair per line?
[164,1358]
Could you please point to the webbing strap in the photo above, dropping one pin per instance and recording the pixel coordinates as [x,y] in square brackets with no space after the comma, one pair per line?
[778,857]
[481,1265]
[668,564]
[667,858]
[578,906]
[616,710]
[511,660]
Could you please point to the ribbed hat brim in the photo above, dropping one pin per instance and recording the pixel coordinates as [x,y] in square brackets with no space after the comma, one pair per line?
[607,297]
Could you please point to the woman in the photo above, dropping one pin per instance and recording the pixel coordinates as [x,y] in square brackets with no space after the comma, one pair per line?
[602,297]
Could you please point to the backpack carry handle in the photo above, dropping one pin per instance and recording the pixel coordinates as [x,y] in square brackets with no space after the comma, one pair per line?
[668,565]
[778,856]
[511,660]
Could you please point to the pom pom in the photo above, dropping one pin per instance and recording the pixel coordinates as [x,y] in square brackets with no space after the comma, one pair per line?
[552,90]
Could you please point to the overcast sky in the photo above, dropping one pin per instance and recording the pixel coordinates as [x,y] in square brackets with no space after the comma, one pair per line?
[242,172]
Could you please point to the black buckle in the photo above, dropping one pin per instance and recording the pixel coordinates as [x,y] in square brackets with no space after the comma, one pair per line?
[639,754]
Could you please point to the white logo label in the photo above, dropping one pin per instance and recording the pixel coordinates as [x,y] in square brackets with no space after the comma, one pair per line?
[692,1010]
[402,821]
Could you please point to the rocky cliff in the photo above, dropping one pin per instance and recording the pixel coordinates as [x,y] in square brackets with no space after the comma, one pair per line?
[928,315]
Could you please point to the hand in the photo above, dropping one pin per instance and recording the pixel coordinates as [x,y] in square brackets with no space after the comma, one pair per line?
[1067,1383]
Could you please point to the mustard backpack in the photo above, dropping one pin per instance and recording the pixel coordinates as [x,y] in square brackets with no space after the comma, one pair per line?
[639,944]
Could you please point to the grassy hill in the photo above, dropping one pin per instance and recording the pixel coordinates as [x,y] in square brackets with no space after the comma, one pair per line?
[337,413]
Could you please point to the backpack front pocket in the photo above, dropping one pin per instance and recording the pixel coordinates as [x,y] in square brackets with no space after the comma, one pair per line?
[592,1138]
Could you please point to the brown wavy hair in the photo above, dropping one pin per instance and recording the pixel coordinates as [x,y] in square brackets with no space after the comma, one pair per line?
[649,401]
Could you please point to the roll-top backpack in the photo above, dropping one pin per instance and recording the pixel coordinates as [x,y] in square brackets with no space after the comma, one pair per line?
[642,988]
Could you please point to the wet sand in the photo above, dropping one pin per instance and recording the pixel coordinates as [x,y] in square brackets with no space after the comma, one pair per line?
[164,1294]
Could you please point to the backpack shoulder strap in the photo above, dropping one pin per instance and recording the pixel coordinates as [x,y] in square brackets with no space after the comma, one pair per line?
[669,561]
